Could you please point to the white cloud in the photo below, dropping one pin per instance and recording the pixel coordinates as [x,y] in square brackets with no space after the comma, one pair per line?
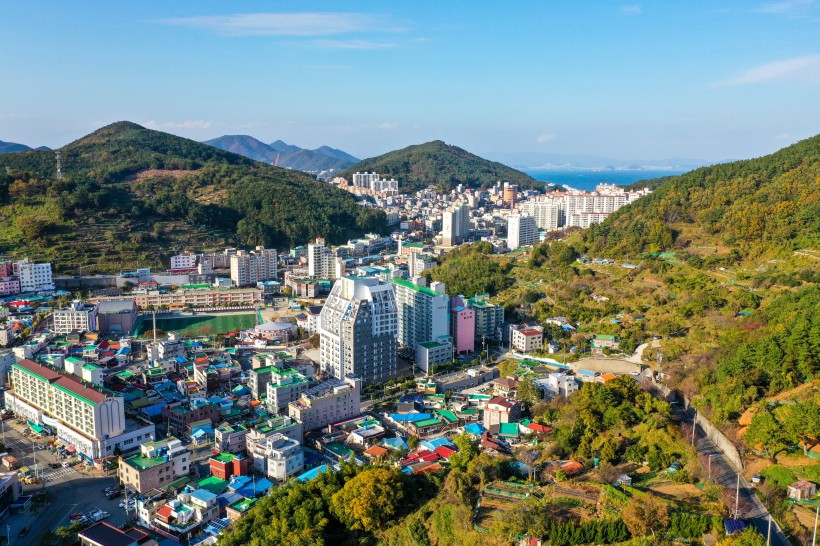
[633,9]
[546,137]
[285,24]
[798,69]
[785,6]
[352,44]
[191,125]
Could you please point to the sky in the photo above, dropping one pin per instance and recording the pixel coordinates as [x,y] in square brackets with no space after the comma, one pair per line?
[519,81]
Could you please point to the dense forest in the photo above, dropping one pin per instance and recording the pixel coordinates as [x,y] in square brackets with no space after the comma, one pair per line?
[760,206]
[442,165]
[128,193]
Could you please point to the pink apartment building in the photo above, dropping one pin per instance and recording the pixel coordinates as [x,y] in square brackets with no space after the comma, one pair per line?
[462,326]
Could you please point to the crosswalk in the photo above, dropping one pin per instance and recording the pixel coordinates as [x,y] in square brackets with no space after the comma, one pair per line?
[57,473]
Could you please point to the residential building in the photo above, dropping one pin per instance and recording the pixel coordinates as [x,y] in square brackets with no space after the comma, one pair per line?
[283,424]
[231,438]
[79,317]
[33,277]
[9,285]
[186,260]
[510,194]
[104,534]
[802,490]
[417,263]
[527,340]
[521,231]
[194,297]
[165,349]
[558,384]
[601,342]
[423,316]
[462,325]
[488,317]
[10,490]
[357,328]
[117,316]
[455,226]
[280,458]
[433,353]
[308,321]
[323,263]
[184,516]
[180,416]
[143,474]
[7,359]
[501,410]
[326,403]
[285,386]
[224,465]
[248,268]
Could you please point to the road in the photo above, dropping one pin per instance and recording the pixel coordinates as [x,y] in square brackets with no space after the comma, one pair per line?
[725,474]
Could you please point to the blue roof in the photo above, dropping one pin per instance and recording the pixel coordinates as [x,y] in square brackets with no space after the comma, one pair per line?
[181,359]
[409,417]
[124,351]
[407,470]
[733,526]
[395,443]
[474,428]
[255,489]
[436,443]
[586,372]
[312,473]
[238,481]
[203,494]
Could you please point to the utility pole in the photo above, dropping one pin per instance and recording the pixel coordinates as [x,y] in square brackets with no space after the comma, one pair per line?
[694,426]
[710,466]
[769,534]
[814,535]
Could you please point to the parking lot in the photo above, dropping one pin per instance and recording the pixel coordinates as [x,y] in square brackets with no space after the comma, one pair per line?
[67,490]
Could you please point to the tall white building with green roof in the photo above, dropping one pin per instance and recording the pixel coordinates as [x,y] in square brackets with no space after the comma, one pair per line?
[424,318]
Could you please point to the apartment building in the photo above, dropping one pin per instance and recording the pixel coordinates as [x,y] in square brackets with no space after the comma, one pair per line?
[326,403]
[249,268]
[358,326]
[33,277]
[433,353]
[279,458]
[78,317]
[9,285]
[521,231]
[527,340]
[424,319]
[417,263]
[194,298]
[462,325]
[285,386]
[283,424]
[186,260]
[488,316]
[323,263]
[455,225]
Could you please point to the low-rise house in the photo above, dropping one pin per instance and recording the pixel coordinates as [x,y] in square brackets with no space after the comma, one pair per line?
[282,424]
[527,340]
[280,459]
[501,410]
[506,387]
[802,490]
[226,465]
[601,342]
[185,515]
[230,438]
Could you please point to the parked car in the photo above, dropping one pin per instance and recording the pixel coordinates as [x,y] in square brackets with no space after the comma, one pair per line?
[113,494]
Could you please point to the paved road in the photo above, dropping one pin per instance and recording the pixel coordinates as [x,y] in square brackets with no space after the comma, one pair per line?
[725,474]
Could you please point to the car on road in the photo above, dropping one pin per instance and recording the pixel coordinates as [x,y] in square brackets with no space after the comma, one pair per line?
[54,465]
[634,373]
[113,494]
[23,532]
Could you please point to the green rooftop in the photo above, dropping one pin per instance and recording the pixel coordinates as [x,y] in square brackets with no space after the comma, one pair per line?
[448,415]
[427,422]
[417,288]
[224,457]
[144,463]
[433,344]
[214,485]
[508,429]
[338,449]
[244,505]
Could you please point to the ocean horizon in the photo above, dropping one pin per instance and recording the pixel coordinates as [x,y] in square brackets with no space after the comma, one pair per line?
[588,179]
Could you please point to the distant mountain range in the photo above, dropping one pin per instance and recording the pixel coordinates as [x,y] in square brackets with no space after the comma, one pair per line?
[439,164]
[8,147]
[321,160]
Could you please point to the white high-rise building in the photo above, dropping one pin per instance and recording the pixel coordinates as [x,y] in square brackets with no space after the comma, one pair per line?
[79,317]
[248,268]
[364,180]
[548,213]
[424,318]
[455,225]
[33,277]
[418,262]
[323,263]
[521,231]
[358,326]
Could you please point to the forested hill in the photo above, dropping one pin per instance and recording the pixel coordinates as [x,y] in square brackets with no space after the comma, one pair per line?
[758,206]
[442,165]
[130,195]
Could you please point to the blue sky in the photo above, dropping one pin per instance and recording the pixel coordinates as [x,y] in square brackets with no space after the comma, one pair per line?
[626,80]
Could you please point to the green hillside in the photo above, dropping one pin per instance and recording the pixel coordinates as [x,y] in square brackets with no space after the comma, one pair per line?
[765,205]
[439,164]
[131,196]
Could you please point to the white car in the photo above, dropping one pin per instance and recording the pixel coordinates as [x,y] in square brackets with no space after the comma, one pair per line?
[634,373]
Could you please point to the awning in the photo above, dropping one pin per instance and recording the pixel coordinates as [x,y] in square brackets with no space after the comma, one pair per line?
[70,449]
[35,427]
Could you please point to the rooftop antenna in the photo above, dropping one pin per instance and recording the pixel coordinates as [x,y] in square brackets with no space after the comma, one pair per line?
[59,165]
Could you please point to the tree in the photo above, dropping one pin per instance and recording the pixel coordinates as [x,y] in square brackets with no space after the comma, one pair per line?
[370,500]
[528,392]
[747,537]
[644,514]
[467,451]
[507,368]
[413,442]
[766,430]
[802,424]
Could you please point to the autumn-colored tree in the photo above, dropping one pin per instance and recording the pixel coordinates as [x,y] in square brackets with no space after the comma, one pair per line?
[765,430]
[644,514]
[370,500]
[467,451]
[507,368]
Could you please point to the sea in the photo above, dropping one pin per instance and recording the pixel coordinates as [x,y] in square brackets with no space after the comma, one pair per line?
[587,179]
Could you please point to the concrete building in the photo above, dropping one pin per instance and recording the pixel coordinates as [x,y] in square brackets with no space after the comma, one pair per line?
[285,386]
[309,320]
[117,316]
[488,316]
[462,326]
[194,298]
[510,195]
[78,317]
[465,379]
[283,424]
[143,474]
[433,353]
[326,403]
[9,285]
[559,384]
[521,231]
[527,340]
[358,327]
[455,226]
[323,263]
[417,263]
[186,260]
[231,438]
[249,268]
[501,410]
[282,456]
[33,277]
[423,316]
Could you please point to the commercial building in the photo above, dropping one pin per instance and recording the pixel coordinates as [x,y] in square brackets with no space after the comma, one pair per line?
[326,403]
[79,317]
[357,328]
[117,316]
[33,277]
[249,268]
[462,325]
[521,231]
[488,317]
